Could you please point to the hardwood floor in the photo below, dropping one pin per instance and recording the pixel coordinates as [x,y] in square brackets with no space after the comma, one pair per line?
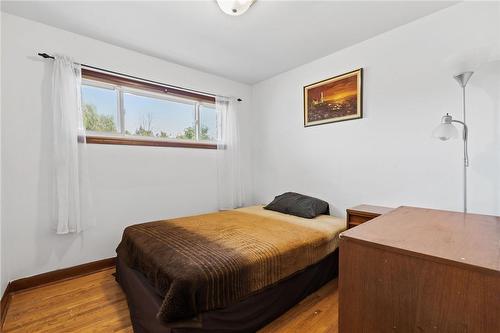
[96,303]
[318,313]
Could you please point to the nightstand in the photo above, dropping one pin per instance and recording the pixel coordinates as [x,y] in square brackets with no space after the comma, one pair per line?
[362,213]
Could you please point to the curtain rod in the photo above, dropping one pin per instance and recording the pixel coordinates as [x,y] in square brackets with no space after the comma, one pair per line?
[48,56]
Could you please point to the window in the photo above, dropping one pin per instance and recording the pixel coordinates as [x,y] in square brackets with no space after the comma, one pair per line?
[99,106]
[122,111]
[208,123]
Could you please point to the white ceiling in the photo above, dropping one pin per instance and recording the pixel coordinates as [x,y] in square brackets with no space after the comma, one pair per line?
[272,37]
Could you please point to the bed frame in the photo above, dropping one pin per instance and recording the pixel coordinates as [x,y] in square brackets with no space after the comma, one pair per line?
[248,315]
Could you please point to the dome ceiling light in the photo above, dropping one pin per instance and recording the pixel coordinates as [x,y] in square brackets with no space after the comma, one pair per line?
[235,7]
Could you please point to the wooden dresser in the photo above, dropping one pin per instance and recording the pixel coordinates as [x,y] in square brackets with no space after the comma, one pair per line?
[421,270]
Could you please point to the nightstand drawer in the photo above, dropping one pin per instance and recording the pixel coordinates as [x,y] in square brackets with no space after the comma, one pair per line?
[357,219]
[354,220]
[362,213]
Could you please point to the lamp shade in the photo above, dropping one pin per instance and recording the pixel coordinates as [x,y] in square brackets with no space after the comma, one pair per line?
[234,7]
[445,131]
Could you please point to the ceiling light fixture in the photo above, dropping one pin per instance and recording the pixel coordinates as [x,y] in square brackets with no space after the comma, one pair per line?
[235,7]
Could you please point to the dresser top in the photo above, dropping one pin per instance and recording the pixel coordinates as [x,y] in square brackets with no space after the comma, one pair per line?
[464,239]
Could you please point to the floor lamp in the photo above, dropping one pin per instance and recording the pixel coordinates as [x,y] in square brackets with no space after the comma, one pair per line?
[446,130]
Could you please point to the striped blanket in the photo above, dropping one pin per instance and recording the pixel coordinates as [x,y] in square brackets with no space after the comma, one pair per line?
[205,262]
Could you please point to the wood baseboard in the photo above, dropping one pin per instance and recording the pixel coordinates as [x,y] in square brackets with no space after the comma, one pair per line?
[7,294]
[61,274]
[52,277]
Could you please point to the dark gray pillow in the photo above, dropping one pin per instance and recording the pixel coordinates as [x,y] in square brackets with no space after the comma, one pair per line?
[298,205]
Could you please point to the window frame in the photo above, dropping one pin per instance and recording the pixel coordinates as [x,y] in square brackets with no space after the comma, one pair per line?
[146,89]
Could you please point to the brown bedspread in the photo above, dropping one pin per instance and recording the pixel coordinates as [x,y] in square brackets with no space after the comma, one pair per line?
[210,261]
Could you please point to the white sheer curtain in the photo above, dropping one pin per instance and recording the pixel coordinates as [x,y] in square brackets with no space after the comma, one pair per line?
[72,201]
[230,189]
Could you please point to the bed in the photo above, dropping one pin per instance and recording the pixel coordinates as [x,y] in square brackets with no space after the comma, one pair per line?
[230,271]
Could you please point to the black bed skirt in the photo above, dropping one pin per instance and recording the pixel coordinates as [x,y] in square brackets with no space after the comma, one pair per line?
[246,316]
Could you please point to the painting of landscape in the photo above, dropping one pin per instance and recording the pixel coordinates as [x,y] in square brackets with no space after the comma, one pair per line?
[334,99]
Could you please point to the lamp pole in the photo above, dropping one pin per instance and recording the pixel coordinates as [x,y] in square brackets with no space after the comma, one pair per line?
[462,80]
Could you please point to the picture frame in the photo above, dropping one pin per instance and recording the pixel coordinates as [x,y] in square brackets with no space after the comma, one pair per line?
[335,99]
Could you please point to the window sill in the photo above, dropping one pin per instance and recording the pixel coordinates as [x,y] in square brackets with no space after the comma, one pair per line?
[109,140]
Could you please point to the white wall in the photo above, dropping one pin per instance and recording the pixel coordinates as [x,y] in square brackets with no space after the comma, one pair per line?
[131,184]
[388,157]
[3,274]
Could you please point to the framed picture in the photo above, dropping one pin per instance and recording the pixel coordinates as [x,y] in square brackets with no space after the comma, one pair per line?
[335,99]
